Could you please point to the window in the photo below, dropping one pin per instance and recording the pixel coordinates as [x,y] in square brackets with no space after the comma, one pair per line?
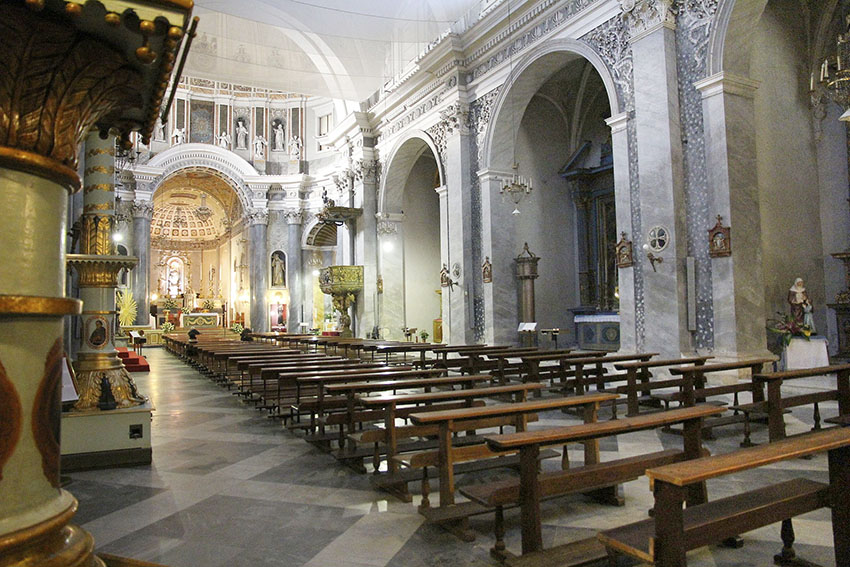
[323,128]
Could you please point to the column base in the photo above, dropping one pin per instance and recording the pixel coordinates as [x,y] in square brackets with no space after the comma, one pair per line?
[51,543]
[91,368]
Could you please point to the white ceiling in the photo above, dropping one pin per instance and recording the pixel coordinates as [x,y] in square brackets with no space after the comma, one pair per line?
[334,48]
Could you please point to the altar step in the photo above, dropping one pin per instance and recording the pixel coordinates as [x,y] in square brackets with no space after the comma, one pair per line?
[132,361]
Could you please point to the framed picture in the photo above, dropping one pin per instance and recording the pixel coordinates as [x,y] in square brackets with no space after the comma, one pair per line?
[625,254]
[719,240]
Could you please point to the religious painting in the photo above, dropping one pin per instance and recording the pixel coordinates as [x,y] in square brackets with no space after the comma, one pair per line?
[201,122]
[719,240]
[487,270]
[96,332]
[278,269]
[623,251]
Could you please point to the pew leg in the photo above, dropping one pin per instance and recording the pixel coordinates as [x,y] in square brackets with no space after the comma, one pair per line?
[426,490]
[608,495]
[734,542]
[747,442]
[788,556]
[565,459]
[816,418]
[498,551]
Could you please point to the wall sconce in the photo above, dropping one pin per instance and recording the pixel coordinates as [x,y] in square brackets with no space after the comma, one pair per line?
[653,259]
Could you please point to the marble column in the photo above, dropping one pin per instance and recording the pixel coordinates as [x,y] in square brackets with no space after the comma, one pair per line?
[142,215]
[737,280]
[294,269]
[500,296]
[258,220]
[623,205]
[458,233]
[662,199]
[367,174]
[391,265]
[50,111]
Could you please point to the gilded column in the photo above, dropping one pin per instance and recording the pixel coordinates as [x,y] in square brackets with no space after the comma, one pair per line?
[98,365]
[142,215]
[56,84]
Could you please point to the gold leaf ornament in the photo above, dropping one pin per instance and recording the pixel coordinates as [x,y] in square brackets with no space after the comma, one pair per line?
[127,308]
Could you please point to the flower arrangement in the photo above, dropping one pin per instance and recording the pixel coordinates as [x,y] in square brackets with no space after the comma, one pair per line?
[167,327]
[208,305]
[169,304]
[787,328]
[424,336]
[185,310]
[237,328]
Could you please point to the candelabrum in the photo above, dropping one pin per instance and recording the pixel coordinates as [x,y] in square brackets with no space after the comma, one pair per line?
[835,72]
[516,188]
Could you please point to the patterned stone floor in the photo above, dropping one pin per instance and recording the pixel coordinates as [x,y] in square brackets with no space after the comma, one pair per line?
[230,487]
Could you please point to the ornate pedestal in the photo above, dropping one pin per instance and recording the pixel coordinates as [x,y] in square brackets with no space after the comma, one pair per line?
[342,283]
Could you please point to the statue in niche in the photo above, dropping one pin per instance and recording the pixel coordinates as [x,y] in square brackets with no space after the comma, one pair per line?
[259,146]
[178,136]
[487,270]
[279,137]
[278,269]
[223,140]
[294,148]
[159,131]
[241,135]
[801,305]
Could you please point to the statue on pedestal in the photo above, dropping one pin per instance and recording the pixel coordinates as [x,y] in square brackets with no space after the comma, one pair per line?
[801,305]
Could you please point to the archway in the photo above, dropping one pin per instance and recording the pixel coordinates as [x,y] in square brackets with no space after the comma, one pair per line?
[765,54]
[409,240]
[550,119]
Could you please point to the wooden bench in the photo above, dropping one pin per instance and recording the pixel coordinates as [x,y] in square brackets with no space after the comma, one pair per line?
[448,455]
[598,479]
[635,370]
[664,539]
[776,405]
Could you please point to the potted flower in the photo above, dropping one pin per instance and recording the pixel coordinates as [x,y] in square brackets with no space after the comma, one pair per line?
[424,336]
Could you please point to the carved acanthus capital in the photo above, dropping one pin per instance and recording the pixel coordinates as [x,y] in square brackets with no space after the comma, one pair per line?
[257,216]
[142,209]
[456,118]
[293,216]
[388,227]
[368,171]
[642,16]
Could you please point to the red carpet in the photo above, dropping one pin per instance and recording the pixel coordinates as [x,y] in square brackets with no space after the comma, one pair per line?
[132,361]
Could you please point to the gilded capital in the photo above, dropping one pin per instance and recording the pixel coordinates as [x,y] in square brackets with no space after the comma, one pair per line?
[99,271]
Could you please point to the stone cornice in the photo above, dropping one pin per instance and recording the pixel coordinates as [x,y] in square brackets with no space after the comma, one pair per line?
[729,84]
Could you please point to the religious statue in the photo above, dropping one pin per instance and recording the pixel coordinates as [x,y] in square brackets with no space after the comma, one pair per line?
[259,146]
[223,140]
[178,136]
[444,276]
[801,305]
[241,135]
[487,270]
[278,270]
[294,148]
[159,131]
[279,137]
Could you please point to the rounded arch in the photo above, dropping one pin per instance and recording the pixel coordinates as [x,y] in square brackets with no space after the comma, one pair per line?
[398,165]
[730,39]
[528,75]
[227,165]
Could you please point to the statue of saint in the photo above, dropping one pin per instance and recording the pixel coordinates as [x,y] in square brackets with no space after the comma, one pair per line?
[800,303]
[294,148]
[279,141]
[241,135]
[259,145]
[278,270]
[223,140]
[178,136]
[159,131]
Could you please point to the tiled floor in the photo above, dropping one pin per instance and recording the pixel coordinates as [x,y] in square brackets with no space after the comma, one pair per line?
[229,487]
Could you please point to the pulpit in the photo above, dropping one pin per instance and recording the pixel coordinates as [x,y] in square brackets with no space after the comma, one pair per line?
[342,283]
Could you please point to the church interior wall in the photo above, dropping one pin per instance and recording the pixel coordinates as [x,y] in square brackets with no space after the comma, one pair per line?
[786,164]
[421,250]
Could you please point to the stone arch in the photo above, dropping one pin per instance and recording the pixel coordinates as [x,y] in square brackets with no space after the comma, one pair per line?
[528,75]
[730,39]
[229,166]
[398,165]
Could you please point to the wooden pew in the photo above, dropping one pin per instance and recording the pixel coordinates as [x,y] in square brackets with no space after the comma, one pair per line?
[635,370]
[664,539]
[598,479]
[449,455]
[392,406]
[776,405]
[694,389]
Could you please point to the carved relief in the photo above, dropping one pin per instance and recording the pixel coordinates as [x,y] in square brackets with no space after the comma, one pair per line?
[73,83]
[368,171]
[611,42]
[46,414]
[10,418]
[643,15]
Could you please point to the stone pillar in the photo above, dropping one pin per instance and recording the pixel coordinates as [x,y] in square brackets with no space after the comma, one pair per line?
[294,269]
[49,111]
[391,264]
[737,280]
[142,215]
[662,199]
[500,297]
[366,176]
[258,219]
[98,266]
[623,205]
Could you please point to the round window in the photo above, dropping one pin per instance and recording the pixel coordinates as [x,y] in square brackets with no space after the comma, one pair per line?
[658,238]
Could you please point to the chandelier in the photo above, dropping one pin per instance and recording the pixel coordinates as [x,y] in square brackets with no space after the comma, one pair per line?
[515,188]
[835,72]
[203,212]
